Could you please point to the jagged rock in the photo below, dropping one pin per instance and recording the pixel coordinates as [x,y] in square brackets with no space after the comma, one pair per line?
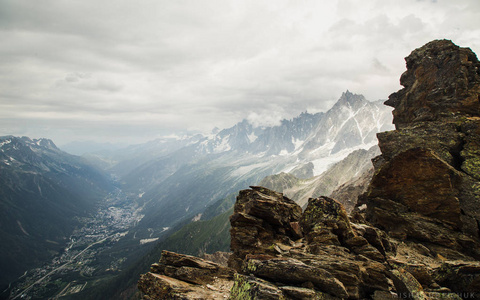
[261,219]
[360,276]
[460,277]
[179,276]
[412,179]
[189,268]
[471,148]
[246,287]
[376,238]
[426,186]
[332,257]
[156,287]
[289,270]
[325,221]
[442,80]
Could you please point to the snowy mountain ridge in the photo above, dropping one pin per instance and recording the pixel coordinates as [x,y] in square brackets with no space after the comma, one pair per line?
[351,124]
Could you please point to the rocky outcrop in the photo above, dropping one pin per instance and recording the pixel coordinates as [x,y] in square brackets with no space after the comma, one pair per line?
[262,221]
[427,188]
[414,233]
[442,82]
[179,276]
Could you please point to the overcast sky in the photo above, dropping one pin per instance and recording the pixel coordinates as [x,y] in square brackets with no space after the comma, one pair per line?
[132,71]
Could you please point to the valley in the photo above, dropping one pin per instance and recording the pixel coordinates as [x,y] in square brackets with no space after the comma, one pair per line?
[85,256]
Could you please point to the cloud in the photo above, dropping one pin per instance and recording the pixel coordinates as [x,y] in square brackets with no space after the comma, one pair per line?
[123,69]
[85,81]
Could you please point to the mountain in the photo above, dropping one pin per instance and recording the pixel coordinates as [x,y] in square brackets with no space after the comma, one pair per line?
[180,184]
[43,192]
[414,234]
[353,167]
[351,122]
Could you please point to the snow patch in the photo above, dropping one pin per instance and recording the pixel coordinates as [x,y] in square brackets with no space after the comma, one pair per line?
[324,163]
[197,217]
[240,171]
[223,146]
[252,137]
[5,142]
[21,228]
[297,143]
[145,241]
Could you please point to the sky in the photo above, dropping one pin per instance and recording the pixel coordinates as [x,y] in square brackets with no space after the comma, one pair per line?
[131,71]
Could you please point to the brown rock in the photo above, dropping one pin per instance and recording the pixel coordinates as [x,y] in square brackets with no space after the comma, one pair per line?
[246,287]
[471,149]
[289,270]
[359,276]
[190,268]
[427,184]
[441,81]
[158,287]
[421,181]
[461,277]
[300,293]
[325,221]
[261,219]
[179,276]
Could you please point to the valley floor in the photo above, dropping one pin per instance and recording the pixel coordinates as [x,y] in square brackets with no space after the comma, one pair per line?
[85,254]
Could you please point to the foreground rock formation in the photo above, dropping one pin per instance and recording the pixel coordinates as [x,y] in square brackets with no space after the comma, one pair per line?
[414,234]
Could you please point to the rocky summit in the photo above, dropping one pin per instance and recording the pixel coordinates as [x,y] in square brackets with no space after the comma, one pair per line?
[414,233]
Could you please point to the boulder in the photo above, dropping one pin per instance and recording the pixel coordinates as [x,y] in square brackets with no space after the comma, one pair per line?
[262,218]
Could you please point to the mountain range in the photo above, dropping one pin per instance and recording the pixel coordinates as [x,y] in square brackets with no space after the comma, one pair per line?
[182,183]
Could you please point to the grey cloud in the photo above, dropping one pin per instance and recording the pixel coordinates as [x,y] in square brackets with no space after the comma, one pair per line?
[86,81]
[377,64]
[155,65]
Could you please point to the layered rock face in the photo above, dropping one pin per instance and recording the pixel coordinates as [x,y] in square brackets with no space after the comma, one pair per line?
[414,233]
[426,186]
[179,276]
